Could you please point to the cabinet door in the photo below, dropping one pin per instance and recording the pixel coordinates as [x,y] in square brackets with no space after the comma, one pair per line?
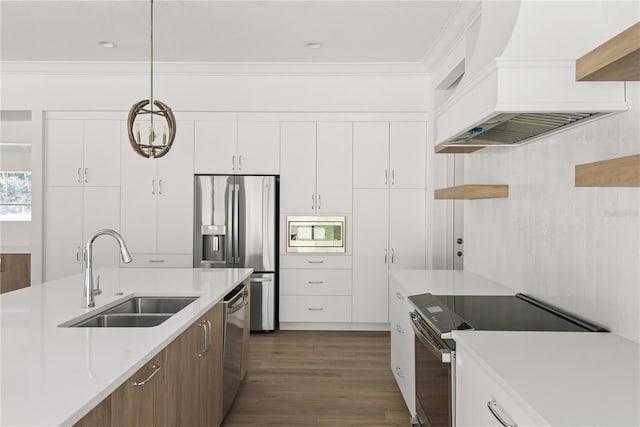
[65,152]
[215,146]
[334,166]
[175,195]
[298,168]
[15,272]
[370,255]
[138,199]
[211,375]
[101,209]
[407,229]
[102,153]
[371,155]
[407,158]
[141,399]
[63,232]
[258,148]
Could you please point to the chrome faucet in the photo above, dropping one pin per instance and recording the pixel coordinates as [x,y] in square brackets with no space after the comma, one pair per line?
[89,292]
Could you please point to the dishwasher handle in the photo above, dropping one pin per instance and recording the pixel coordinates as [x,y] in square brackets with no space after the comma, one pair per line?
[237,301]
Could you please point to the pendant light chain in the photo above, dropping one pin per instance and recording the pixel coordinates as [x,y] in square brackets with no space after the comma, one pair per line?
[151,55]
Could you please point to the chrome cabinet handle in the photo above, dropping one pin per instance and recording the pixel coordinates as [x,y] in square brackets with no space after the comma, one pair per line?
[315,262]
[203,349]
[208,340]
[399,372]
[399,329]
[493,407]
[156,369]
[77,253]
[315,282]
[160,187]
[393,255]
[156,261]
[240,162]
[393,177]
[319,201]
[233,163]
[399,295]
[386,176]
[86,172]
[315,308]
[313,202]
[385,255]
[153,186]
[78,175]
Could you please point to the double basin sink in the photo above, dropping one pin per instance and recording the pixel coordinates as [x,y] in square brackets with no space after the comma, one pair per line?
[135,312]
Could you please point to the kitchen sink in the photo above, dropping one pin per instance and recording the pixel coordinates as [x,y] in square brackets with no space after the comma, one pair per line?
[123,321]
[135,312]
[155,305]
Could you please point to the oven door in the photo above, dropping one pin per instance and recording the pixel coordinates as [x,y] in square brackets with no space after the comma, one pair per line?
[434,387]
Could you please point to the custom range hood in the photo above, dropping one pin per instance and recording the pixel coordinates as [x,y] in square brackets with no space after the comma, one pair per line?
[519,80]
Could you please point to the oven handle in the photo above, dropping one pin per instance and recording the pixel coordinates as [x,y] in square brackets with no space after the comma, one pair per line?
[443,355]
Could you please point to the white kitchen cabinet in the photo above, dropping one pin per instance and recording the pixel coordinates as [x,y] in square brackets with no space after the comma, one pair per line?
[315,288]
[315,172]
[402,344]
[389,154]
[157,199]
[476,388]
[73,214]
[83,152]
[388,233]
[237,147]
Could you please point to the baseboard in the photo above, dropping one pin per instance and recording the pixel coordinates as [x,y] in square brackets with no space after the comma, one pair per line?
[309,326]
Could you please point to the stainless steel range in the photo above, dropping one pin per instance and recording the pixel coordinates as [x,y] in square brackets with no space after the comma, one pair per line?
[437,315]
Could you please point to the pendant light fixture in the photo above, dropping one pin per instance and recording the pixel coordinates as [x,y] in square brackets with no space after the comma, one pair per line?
[156,144]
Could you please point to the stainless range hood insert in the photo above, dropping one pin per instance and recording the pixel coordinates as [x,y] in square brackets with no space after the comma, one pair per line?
[516,129]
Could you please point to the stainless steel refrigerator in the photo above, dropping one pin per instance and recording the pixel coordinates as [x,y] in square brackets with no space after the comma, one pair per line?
[235,226]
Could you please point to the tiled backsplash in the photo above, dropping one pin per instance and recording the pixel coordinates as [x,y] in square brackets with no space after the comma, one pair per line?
[577,248]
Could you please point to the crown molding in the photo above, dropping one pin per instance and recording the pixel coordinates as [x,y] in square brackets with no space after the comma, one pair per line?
[209,68]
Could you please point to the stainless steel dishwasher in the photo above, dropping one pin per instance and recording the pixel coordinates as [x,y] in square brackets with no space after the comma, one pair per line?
[234,311]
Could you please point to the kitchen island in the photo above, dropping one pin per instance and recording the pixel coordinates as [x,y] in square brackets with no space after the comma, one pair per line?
[54,375]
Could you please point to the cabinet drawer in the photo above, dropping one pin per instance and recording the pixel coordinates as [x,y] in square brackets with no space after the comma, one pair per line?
[159,261]
[315,261]
[315,282]
[315,308]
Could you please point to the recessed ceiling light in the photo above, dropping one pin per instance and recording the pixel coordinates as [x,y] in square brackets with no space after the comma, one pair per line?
[106,44]
[313,45]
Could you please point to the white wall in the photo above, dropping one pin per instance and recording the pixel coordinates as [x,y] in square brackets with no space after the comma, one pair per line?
[577,248]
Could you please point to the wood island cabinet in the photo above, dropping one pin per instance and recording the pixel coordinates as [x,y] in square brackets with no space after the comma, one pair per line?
[15,272]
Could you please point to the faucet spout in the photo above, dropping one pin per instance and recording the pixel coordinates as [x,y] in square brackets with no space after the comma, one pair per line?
[88,288]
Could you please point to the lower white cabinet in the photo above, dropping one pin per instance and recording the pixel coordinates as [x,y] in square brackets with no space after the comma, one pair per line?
[402,344]
[315,288]
[481,401]
[72,215]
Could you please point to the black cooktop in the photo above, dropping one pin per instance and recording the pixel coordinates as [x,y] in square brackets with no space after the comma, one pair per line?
[445,313]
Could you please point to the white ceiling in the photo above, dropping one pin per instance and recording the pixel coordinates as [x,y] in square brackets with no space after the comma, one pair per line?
[223,31]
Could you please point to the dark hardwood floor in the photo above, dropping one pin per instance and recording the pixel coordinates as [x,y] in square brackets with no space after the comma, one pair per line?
[310,378]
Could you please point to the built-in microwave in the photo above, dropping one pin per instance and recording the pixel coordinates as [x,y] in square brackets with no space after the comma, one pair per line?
[315,233]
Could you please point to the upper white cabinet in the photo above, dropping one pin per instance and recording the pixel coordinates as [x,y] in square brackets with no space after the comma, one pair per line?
[389,155]
[83,152]
[315,172]
[230,146]
[157,198]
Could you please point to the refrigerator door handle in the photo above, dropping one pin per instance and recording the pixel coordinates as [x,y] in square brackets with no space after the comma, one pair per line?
[236,221]
[228,256]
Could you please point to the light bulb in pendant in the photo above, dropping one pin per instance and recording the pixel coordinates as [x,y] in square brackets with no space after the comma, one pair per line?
[138,132]
[164,135]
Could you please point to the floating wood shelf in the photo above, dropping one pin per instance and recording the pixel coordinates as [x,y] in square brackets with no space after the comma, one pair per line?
[617,59]
[472,191]
[619,172]
[441,148]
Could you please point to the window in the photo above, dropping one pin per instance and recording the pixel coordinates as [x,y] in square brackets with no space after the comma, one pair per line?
[15,196]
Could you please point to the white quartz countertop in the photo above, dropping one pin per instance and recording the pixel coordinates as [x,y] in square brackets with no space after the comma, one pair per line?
[447,282]
[568,378]
[54,375]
